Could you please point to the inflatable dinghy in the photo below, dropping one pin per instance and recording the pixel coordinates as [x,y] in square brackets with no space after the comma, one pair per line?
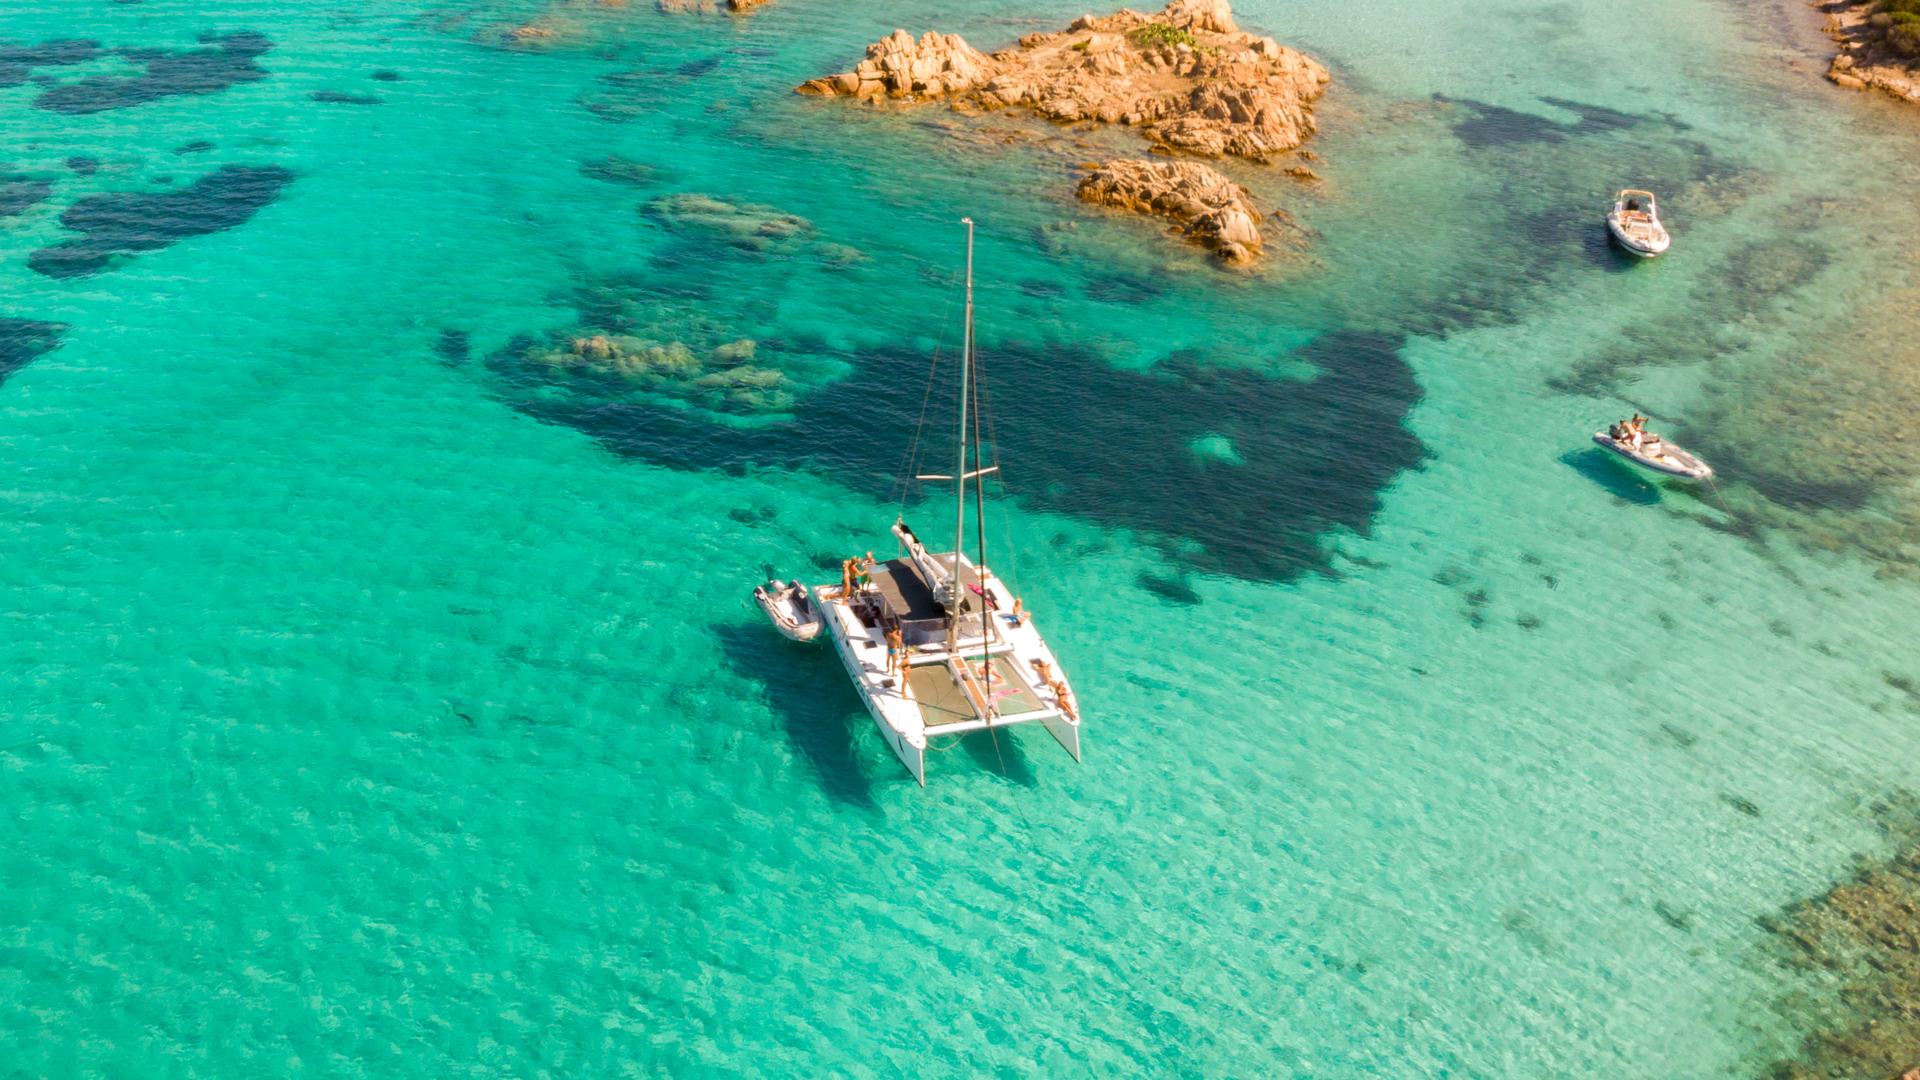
[789,609]
[1657,454]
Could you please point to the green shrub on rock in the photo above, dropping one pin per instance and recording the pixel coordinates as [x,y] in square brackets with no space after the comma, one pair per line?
[1156,34]
[1904,34]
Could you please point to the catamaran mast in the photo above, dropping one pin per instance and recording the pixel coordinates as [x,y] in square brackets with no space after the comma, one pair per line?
[980,529]
[960,472]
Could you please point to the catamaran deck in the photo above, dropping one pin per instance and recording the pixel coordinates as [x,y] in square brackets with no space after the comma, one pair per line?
[943,704]
[931,699]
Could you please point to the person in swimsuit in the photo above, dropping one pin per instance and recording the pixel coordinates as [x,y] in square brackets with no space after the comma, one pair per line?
[896,649]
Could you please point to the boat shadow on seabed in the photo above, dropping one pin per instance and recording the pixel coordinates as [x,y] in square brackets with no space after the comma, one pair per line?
[1613,474]
[820,726]
[998,752]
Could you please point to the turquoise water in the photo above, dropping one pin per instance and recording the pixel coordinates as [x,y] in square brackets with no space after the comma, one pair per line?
[375,703]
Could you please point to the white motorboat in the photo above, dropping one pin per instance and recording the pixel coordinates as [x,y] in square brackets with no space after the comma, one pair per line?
[937,644]
[1655,453]
[789,609]
[1634,222]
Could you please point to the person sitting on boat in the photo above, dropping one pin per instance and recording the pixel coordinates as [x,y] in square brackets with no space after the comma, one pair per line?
[1636,431]
[1018,615]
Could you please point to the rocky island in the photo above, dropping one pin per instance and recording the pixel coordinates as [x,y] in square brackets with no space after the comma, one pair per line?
[1879,46]
[1187,79]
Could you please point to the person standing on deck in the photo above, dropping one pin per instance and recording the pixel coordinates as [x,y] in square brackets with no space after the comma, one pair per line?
[896,650]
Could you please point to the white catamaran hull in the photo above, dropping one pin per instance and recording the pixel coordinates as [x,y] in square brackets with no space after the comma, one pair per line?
[1065,730]
[897,717]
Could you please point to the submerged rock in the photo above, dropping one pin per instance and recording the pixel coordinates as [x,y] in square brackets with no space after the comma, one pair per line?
[653,340]
[530,34]
[337,97]
[722,377]
[1861,942]
[24,340]
[614,169]
[220,62]
[745,226]
[113,225]
[1206,207]
[20,192]
[841,256]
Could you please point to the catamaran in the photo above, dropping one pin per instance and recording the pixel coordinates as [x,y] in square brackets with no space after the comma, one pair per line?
[938,644]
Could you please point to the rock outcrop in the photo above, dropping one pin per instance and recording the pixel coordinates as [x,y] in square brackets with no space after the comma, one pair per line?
[1187,78]
[898,66]
[1868,58]
[1206,207]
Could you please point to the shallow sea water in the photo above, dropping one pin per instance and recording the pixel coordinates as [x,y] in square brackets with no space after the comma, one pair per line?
[372,706]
